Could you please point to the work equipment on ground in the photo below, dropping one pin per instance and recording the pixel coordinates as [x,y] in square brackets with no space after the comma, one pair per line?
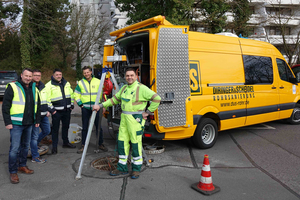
[73,134]
[205,185]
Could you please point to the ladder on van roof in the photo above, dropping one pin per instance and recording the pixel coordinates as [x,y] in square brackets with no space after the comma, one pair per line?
[159,20]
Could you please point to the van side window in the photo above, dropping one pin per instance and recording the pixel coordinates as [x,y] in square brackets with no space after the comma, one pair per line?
[258,69]
[284,71]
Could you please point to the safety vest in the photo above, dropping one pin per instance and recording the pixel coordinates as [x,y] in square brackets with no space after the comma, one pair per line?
[44,102]
[134,99]
[55,97]
[86,92]
[18,102]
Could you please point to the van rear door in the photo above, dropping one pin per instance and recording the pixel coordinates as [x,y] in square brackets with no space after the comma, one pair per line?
[172,75]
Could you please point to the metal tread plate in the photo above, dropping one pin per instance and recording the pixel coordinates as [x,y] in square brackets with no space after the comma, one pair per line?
[172,75]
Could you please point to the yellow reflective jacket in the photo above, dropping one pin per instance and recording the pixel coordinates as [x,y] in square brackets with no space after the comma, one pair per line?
[134,98]
[18,102]
[85,93]
[58,99]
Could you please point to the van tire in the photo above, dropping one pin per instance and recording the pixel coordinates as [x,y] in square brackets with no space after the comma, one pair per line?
[206,134]
[295,117]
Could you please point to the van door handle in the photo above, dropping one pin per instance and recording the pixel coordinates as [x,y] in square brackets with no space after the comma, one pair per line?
[281,87]
[273,87]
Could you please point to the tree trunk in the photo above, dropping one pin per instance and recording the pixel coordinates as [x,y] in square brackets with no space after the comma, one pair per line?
[78,66]
[25,45]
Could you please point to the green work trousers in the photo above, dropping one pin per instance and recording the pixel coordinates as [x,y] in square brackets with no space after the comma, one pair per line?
[130,130]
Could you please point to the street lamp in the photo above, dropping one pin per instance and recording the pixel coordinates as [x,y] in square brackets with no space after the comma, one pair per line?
[92,54]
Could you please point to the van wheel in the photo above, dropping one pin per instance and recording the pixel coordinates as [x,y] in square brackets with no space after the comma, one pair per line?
[206,134]
[295,117]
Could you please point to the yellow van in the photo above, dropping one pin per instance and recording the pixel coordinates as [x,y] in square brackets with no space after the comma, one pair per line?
[208,83]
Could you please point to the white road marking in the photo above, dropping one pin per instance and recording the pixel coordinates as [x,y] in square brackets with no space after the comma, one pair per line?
[264,126]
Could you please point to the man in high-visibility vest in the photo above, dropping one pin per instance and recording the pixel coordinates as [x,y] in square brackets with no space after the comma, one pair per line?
[36,136]
[85,95]
[133,98]
[20,111]
[60,99]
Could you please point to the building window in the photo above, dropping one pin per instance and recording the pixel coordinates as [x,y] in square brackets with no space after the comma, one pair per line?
[278,11]
[290,48]
[258,69]
[276,30]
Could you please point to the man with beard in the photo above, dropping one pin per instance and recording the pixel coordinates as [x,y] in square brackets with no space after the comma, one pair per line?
[20,111]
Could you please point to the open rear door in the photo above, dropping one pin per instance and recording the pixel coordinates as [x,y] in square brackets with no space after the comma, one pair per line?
[172,75]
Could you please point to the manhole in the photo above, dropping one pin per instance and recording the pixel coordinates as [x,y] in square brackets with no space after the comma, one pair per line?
[108,163]
[151,149]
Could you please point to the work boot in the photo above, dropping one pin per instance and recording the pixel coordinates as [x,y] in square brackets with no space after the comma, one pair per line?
[14,179]
[103,148]
[25,170]
[81,149]
[69,145]
[116,172]
[135,175]
[54,150]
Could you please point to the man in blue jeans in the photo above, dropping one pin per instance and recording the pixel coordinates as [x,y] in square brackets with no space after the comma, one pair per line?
[20,97]
[36,136]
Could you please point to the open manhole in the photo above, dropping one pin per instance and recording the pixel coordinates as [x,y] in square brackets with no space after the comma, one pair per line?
[107,163]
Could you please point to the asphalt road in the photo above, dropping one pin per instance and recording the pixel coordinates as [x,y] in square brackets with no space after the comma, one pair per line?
[257,162]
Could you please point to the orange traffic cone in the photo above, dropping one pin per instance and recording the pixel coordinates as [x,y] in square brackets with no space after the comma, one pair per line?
[205,185]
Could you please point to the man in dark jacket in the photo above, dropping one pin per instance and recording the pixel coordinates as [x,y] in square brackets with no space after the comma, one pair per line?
[61,102]
[20,99]
[36,136]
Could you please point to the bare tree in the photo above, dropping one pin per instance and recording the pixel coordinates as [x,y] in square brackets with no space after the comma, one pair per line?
[9,12]
[282,28]
[88,31]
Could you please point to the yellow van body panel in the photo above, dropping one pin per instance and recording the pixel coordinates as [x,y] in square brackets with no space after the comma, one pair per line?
[254,47]
[181,134]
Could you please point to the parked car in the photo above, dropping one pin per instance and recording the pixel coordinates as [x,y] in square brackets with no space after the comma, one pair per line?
[7,76]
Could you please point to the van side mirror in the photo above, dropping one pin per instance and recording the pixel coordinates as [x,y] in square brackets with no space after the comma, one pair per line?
[293,80]
[298,77]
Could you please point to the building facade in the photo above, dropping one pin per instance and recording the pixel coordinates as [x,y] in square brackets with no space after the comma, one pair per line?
[276,22]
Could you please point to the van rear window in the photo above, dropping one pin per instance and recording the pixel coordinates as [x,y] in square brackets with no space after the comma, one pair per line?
[258,69]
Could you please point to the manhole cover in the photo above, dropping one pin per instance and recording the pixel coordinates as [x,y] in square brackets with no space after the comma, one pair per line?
[108,163]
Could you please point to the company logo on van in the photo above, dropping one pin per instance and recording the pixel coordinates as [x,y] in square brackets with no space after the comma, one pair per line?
[195,78]
[234,89]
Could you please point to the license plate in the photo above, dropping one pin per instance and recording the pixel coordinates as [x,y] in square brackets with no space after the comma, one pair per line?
[2,86]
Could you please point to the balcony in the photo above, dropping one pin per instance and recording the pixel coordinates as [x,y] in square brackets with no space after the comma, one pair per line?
[256,19]
[288,20]
[276,39]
